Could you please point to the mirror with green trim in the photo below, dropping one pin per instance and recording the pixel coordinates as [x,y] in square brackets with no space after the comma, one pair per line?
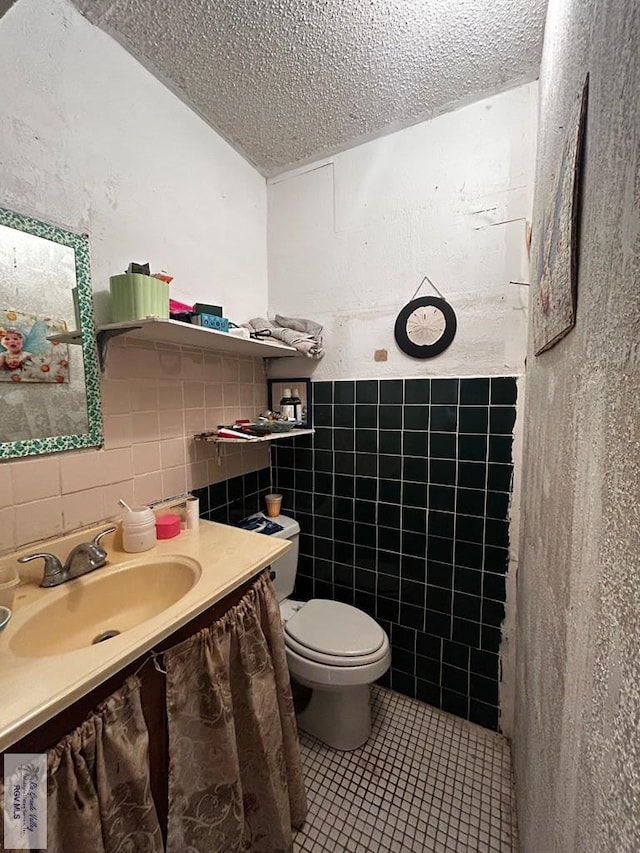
[49,378]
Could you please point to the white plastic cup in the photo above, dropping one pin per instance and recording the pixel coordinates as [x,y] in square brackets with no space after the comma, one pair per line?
[273,502]
[9,580]
[138,529]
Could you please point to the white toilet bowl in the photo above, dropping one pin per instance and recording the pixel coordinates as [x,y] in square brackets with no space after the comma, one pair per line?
[332,648]
[338,652]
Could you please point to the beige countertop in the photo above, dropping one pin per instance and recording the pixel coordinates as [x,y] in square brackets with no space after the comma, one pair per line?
[34,689]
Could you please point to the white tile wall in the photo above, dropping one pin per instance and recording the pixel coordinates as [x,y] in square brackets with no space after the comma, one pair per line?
[35,479]
[153,401]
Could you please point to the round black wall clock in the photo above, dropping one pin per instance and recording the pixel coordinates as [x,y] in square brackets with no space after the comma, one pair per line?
[425,327]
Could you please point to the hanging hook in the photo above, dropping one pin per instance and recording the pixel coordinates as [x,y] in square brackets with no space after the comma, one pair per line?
[426,278]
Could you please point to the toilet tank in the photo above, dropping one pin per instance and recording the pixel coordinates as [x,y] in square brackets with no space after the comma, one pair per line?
[285,567]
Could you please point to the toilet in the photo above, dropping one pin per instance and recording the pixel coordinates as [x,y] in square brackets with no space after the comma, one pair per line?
[335,650]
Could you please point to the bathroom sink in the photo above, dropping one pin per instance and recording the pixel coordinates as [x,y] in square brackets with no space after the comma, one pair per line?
[99,606]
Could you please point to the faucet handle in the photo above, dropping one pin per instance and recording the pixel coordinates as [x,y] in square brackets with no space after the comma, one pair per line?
[102,533]
[52,567]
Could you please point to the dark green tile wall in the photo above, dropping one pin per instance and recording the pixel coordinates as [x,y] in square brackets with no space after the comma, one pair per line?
[403,497]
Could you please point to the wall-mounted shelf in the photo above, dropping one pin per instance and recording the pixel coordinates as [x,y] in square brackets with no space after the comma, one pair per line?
[213,439]
[182,334]
[175,332]
[73,336]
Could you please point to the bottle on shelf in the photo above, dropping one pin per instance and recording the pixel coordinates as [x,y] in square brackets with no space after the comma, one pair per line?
[297,405]
[287,408]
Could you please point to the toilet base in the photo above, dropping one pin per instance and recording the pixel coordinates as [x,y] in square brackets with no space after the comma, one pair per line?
[339,717]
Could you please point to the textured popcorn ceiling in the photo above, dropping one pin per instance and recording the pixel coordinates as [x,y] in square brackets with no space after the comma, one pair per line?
[289,81]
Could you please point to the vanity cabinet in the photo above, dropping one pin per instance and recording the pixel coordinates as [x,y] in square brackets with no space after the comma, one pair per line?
[152,694]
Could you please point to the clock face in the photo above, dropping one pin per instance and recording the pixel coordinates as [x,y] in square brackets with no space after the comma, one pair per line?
[425,327]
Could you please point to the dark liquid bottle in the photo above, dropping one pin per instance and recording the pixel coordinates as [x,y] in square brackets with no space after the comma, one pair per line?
[287,408]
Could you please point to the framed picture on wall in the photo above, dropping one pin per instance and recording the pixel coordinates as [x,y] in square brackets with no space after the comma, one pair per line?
[554,308]
[299,387]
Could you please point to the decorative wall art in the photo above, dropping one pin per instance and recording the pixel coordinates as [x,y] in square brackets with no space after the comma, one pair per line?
[426,326]
[27,354]
[554,313]
[41,267]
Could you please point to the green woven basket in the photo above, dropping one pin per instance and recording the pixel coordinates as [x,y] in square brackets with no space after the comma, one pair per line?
[135,296]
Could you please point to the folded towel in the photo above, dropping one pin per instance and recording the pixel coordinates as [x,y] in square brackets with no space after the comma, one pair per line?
[309,327]
[304,335]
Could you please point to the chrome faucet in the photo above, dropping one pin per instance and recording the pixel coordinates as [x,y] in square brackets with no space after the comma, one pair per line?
[84,558]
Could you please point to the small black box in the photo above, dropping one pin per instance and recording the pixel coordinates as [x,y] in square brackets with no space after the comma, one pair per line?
[203,308]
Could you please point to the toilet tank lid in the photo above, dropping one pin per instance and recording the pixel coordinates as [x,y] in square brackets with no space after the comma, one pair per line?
[289,525]
[335,628]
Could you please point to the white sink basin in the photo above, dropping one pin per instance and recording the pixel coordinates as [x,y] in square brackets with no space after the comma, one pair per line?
[102,604]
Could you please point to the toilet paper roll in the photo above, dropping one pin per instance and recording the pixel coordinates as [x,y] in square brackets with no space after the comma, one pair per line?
[193,513]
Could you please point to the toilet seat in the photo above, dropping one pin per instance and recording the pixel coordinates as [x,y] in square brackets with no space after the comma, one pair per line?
[336,634]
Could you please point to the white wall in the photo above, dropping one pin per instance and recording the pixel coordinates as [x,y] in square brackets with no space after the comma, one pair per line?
[92,141]
[351,238]
[577,744]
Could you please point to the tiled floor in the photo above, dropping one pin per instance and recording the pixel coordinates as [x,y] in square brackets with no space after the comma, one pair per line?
[424,781]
